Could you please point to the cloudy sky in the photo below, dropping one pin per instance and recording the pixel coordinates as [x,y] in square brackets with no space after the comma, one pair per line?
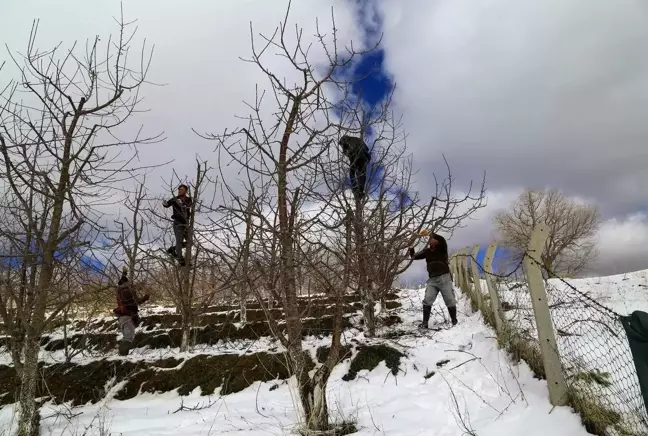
[539,93]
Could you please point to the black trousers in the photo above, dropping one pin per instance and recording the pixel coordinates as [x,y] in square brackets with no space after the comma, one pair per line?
[358,173]
[180,232]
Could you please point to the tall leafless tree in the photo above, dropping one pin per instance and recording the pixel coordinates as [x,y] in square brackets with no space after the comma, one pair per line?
[60,160]
[573,226]
[304,226]
[284,154]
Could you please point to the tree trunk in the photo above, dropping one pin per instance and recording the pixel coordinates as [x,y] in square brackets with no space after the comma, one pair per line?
[313,398]
[17,343]
[363,279]
[185,345]
[243,287]
[243,307]
[369,313]
[28,422]
[287,272]
[313,393]
[66,345]
[186,320]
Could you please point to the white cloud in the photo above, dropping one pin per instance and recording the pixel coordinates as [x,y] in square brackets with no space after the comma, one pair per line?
[197,56]
[623,245]
[526,91]
[198,47]
[531,94]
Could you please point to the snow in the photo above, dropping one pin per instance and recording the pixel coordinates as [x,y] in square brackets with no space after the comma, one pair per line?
[493,395]
[623,293]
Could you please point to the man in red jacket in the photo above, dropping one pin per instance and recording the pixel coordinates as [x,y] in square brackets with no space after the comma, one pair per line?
[128,312]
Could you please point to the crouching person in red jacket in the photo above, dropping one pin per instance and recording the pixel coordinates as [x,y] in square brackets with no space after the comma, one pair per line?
[127,311]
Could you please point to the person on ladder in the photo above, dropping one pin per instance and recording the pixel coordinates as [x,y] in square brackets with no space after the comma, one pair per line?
[359,156]
[181,205]
[440,279]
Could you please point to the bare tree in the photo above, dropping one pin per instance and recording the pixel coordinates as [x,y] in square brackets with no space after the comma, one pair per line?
[387,218]
[572,229]
[304,227]
[60,160]
[280,160]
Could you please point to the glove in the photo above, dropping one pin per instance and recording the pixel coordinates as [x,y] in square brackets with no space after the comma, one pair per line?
[424,232]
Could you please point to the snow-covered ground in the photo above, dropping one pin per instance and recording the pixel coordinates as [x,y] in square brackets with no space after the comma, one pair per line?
[477,385]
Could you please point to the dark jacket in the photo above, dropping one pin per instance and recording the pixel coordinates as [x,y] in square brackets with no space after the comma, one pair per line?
[127,301]
[355,149]
[181,208]
[436,258]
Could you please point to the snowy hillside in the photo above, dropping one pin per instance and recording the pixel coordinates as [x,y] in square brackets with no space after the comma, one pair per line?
[448,382]
[623,293]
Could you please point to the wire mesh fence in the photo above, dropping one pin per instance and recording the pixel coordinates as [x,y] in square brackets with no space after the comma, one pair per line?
[594,351]
[597,361]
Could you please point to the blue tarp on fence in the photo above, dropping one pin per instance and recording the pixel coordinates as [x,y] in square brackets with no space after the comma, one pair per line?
[502,260]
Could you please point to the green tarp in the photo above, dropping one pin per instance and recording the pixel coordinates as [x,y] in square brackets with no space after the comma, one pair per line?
[636,327]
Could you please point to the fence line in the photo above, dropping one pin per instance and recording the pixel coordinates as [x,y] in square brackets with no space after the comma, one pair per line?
[581,339]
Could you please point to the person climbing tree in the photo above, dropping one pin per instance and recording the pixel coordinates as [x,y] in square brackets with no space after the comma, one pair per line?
[440,279]
[127,312]
[181,213]
[358,153]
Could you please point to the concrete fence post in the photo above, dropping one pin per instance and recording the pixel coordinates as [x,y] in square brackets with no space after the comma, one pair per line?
[455,265]
[456,273]
[474,266]
[544,324]
[463,272]
[492,290]
[453,268]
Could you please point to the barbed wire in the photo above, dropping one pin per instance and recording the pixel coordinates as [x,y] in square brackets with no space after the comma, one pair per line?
[490,273]
[550,273]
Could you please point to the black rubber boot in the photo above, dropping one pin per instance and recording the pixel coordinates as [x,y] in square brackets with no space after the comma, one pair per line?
[124,348]
[453,314]
[426,316]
